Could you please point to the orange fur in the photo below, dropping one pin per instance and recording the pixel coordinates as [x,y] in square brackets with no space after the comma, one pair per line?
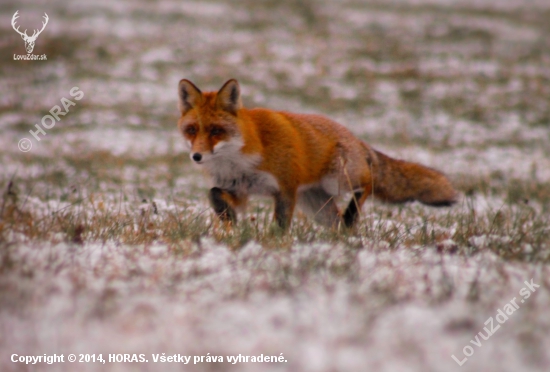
[296,158]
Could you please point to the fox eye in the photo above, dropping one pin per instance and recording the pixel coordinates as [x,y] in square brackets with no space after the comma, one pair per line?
[191,130]
[216,131]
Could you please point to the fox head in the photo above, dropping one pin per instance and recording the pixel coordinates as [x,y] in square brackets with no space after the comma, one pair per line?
[209,121]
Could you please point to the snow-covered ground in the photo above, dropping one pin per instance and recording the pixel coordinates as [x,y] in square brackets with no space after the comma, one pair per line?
[107,244]
[325,307]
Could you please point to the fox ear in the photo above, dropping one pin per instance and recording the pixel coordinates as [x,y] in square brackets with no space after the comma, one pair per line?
[189,95]
[229,97]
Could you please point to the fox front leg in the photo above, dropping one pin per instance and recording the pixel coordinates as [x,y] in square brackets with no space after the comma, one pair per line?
[284,207]
[220,201]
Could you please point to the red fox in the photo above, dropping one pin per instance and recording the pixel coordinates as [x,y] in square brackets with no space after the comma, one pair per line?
[298,159]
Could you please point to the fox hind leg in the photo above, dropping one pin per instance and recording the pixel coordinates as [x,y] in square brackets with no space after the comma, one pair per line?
[354,206]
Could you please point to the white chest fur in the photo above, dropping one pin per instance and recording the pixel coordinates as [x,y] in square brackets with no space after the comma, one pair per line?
[234,171]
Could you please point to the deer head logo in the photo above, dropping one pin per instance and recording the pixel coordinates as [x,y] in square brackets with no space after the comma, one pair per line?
[29,40]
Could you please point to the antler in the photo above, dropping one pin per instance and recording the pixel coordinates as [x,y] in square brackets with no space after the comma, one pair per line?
[43,25]
[35,34]
[15,16]
[24,34]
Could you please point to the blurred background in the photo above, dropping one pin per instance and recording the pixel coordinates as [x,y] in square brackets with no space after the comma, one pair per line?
[459,85]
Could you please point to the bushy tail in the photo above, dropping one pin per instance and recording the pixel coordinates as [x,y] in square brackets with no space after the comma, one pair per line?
[398,181]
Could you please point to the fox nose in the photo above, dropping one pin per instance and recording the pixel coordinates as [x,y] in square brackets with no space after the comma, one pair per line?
[197,157]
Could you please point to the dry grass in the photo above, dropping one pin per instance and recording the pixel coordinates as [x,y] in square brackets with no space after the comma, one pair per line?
[88,216]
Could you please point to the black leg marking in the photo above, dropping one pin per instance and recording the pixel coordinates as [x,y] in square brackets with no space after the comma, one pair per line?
[350,216]
[222,209]
[282,211]
[444,203]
